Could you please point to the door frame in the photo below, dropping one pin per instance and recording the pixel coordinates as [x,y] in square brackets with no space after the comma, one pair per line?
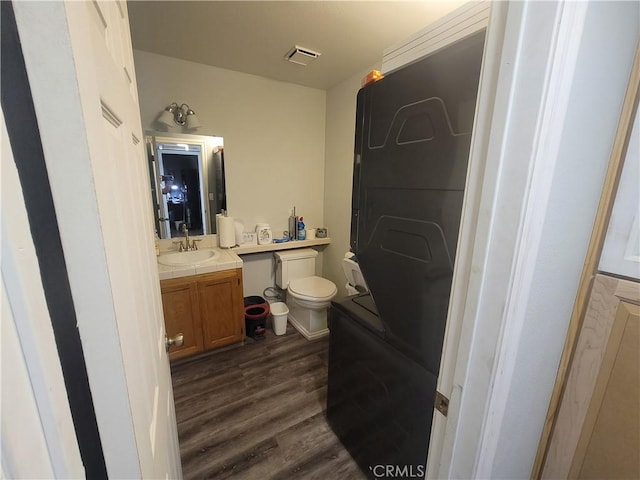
[525,133]
[590,269]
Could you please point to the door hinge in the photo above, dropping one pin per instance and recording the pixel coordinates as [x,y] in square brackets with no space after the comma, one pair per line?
[441,403]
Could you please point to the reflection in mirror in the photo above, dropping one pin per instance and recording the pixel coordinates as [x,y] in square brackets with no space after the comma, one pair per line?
[187,182]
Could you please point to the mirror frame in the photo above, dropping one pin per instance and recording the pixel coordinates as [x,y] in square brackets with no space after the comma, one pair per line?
[211,173]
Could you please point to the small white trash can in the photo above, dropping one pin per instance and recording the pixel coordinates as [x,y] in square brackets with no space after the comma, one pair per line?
[279,312]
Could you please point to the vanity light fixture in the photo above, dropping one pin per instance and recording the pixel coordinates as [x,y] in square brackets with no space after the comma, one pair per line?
[179,115]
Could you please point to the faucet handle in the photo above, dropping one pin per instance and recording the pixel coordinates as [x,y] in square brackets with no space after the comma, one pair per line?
[180,245]
[194,244]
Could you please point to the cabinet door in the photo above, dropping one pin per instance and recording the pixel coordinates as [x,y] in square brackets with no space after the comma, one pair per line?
[221,307]
[597,431]
[181,315]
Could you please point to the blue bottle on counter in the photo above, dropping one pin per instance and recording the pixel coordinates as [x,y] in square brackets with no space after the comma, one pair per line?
[302,233]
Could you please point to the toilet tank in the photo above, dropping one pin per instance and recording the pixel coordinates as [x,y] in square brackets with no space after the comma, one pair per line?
[294,264]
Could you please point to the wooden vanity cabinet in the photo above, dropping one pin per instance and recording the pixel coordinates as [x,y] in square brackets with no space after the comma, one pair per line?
[207,309]
[222,308]
[182,315]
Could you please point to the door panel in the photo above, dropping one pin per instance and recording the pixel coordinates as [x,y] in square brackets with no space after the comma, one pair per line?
[105,77]
[609,446]
[219,307]
[411,166]
[181,315]
[79,61]
[596,430]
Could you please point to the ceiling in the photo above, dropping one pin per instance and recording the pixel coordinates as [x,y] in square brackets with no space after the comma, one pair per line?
[254,36]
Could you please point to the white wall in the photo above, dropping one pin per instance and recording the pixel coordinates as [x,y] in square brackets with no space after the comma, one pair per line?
[338,173]
[274,141]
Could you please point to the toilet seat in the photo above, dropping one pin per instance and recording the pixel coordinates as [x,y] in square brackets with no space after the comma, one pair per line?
[316,289]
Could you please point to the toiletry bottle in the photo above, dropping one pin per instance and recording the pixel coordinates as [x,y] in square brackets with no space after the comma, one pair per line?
[302,233]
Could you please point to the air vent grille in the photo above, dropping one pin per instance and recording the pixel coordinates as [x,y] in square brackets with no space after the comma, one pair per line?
[301,55]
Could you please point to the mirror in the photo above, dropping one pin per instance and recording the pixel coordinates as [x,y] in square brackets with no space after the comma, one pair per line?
[187,182]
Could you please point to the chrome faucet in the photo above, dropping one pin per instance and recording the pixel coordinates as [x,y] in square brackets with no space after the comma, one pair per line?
[185,230]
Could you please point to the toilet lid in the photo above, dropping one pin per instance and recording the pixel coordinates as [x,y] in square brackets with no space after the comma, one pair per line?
[313,288]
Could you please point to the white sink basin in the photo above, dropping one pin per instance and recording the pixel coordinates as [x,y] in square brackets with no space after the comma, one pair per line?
[193,258]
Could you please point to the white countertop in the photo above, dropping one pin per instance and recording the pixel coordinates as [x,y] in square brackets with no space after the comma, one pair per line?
[227,260]
[272,247]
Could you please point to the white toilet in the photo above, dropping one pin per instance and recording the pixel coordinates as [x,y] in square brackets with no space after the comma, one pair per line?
[355,280]
[308,296]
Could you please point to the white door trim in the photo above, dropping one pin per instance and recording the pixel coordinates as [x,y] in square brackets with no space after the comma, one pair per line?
[528,165]
[568,20]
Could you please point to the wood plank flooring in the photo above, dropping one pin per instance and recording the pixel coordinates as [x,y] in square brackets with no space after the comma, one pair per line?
[258,412]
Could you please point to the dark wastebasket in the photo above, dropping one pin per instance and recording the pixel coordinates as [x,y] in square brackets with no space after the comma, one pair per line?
[256,310]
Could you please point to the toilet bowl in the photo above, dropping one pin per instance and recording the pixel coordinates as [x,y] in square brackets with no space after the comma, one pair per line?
[308,296]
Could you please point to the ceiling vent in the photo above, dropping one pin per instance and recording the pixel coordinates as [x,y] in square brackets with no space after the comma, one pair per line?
[301,55]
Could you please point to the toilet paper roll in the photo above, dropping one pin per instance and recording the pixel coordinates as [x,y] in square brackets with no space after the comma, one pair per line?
[227,233]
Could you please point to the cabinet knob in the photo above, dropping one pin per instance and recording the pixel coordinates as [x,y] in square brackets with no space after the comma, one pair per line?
[177,341]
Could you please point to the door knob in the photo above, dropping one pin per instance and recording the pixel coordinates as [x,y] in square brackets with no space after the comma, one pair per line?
[177,341]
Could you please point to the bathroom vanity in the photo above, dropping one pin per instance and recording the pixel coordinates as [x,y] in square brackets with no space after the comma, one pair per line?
[207,309]
[202,298]
[203,295]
